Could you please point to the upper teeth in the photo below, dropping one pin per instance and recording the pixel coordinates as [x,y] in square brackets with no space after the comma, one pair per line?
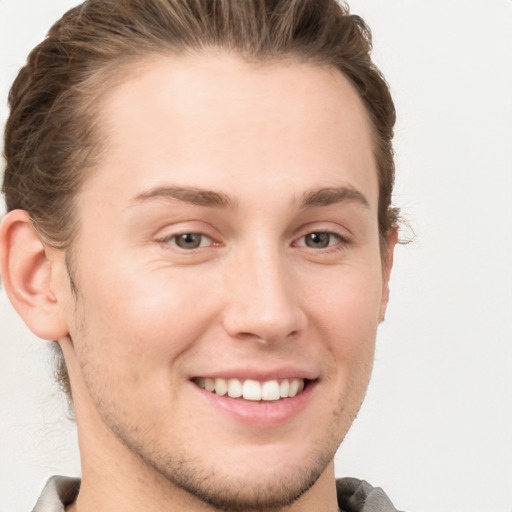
[252,389]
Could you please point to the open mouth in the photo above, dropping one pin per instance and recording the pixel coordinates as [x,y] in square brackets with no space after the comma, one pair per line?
[248,389]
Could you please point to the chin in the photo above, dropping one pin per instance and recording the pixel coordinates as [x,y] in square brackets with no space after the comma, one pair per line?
[256,478]
[272,490]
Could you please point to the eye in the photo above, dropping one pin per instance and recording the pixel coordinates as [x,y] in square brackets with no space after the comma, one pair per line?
[189,241]
[320,240]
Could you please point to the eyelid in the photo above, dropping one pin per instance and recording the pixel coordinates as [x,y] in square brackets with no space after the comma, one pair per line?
[184,226]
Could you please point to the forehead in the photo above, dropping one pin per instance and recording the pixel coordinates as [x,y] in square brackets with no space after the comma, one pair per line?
[215,117]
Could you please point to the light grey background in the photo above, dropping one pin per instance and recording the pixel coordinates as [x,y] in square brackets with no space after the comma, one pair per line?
[436,429]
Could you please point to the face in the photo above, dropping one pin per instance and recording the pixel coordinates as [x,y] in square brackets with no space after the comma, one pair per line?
[229,277]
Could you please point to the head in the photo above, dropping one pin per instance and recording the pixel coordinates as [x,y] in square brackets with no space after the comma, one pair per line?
[211,91]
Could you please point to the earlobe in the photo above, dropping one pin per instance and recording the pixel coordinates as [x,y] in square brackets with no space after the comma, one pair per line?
[27,276]
[387,265]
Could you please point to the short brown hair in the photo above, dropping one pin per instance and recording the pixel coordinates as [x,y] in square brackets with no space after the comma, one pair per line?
[51,138]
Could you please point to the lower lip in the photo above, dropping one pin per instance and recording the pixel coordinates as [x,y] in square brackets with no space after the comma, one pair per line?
[261,413]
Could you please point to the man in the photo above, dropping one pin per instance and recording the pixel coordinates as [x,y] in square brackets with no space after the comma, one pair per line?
[199,214]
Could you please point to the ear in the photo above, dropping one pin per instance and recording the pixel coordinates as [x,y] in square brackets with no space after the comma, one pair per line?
[27,276]
[387,265]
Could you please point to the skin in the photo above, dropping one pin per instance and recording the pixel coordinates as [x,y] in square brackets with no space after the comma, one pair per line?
[257,294]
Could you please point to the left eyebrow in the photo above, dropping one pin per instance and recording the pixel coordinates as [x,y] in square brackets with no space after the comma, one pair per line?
[333,195]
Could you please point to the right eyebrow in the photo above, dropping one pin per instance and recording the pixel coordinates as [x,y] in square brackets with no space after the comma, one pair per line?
[192,195]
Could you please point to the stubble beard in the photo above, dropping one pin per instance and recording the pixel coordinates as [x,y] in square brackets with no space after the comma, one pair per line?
[205,481]
[174,468]
[231,495]
[225,492]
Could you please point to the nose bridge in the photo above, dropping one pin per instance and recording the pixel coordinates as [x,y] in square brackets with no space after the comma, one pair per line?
[263,303]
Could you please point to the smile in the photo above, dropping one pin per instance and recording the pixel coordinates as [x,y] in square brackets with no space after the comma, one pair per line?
[249,389]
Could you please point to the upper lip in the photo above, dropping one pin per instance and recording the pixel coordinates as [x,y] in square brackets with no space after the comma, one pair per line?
[260,374]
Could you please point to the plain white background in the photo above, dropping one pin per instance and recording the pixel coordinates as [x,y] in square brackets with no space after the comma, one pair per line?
[436,429]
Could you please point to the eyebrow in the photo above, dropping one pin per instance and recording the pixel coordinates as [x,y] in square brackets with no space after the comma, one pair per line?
[333,195]
[192,195]
[211,199]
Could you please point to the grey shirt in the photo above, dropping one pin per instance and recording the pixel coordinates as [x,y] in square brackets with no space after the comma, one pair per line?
[353,496]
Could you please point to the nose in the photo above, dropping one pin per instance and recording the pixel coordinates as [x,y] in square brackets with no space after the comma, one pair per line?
[264,299]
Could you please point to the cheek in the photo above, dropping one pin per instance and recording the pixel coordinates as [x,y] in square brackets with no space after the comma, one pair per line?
[145,324]
[349,304]
[348,317]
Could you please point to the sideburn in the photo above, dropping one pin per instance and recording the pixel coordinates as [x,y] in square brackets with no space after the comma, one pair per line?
[69,269]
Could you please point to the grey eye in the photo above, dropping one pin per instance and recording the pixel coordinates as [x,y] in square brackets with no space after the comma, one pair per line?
[190,240]
[318,240]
